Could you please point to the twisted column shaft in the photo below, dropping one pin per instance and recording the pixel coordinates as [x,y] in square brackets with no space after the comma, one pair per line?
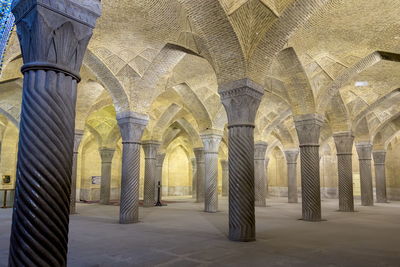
[131,126]
[380,175]
[241,100]
[106,155]
[159,167]
[225,177]
[291,160]
[308,130]
[344,147]
[260,148]
[200,174]
[150,150]
[77,141]
[211,144]
[364,156]
[53,44]
[194,180]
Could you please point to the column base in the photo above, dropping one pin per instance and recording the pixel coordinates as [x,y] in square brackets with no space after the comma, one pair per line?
[260,203]
[241,239]
[128,221]
[293,201]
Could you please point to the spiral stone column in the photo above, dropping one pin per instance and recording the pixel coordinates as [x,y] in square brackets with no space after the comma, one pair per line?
[291,160]
[53,37]
[308,130]
[241,100]
[194,182]
[364,150]
[200,174]
[211,143]
[131,126]
[225,177]
[380,175]
[344,148]
[159,167]
[260,148]
[77,140]
[106,155]
[150,150]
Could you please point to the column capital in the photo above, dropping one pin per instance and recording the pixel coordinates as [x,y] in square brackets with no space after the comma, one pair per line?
[344,143]
[379,157]
[106,154]
[291,156]
[46,24]
[160,159]
[364,150]
[211,142]
[241,100]
[77,140]
[150,148]
[199,154]
[260,148]
[308,128]
[132,125]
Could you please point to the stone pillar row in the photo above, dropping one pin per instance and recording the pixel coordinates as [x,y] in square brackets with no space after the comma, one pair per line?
[344,148]
[308,130]
[131,125]
[77,141]
[260,149]
[380,175]
[150,150]
[364,150]
[53,36]
[194,180]
[159,167]
[291,160]
[211,143]
[106,155]
[225,177]
[200,174]
[241,100]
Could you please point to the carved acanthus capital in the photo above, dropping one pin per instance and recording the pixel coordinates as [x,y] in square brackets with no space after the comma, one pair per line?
[106,154]
[199,154]
[364,150]
[131,126]
[344,143]
[291,156]
[241,100]
[160,159]
[211,142]
[150,148]
[379,157]
[77,139]
[260,148]
[308,128]
[54,34]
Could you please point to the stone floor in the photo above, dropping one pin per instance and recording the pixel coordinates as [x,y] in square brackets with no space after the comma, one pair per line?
[182,235]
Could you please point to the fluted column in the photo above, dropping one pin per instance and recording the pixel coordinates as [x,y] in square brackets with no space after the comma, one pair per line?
[211,143]
[308,130]
[364,150]
[225,177]
[53,37]
[380,175]
[266,177]
[159,167]
[106,155]
[77,140]
[194,181]
[344,148]
[291,160]
[241,100]
[150,150]
[260,148]
[200,174]
[131,126]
